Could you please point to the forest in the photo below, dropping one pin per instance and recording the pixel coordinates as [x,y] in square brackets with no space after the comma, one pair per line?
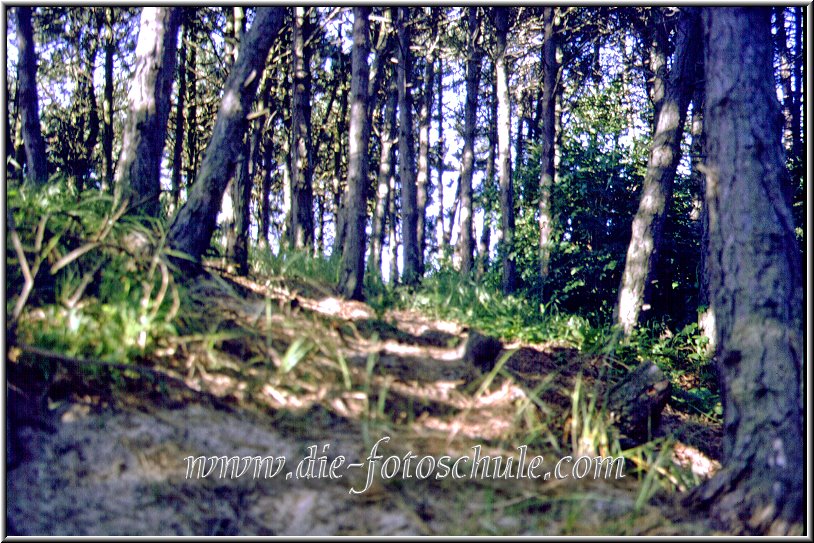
[327,233]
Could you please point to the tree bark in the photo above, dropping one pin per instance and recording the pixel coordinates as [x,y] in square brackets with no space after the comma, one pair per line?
[178,144]
[409,211]
[473,62]
[489,180]
[352,268]
[509,278]
[145,130]
[440,225]
[37,172]
[388,154]
[107,104]
[302,212]
[423,174]
[192,229]
[548,114]
[756,280]
[670,111]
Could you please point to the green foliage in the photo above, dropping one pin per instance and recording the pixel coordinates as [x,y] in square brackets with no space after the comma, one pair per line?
[293,263]
[99,284]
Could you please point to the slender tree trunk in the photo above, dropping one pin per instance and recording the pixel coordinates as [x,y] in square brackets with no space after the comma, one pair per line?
[192,109]
[107,107]
[352,268]
[548,113]
[37,173]
[440,225]
[642,255]
[393,234]
[409,211]
[784,61]
[388,149]
[138,171]
[423,175]
[192,228]
[489,180]
[797,71]
[473,62]
[302,212]
[178,145]
[509,280]
[265,191]
[756,280]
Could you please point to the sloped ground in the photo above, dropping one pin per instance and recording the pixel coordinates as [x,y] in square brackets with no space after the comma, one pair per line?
[288,365]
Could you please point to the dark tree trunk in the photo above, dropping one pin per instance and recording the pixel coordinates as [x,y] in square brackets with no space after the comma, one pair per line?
[388,153]
[393,234]
[192,109]
[756,282]
[509,280]
[36,162]
[302,212]
[670,111]
[797,71]
[409,211]
[473,61]
[785,69]
[107,107]
[352,268]
[139,167]
[548,114]
[192,229]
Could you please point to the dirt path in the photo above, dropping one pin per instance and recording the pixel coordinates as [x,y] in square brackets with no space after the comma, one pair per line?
[290,366]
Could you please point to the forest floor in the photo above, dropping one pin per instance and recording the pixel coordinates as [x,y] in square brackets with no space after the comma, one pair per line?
[289,365]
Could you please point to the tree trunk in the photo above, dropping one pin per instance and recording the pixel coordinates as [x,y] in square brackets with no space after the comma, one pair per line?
[192,109]
[489,180]
[238,247]
[393,234]
[138,171]
[797,71]
[756,280]
[37,172]
[473,61]
[784,65]
[642,255]
[388,150]
[440,225]
[107,107]
[423,175]
[302,212]
[509,280]
[192,229]
[352,268]
[548,115]
[178,144]
[409,211]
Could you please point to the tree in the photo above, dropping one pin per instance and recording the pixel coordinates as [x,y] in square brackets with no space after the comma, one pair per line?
[548,114]
[137,173]
[389,137]
[352,270]
[473,67]
[671,95]
[37,173]
[756,282]
[191,230]
[504,168]
[409,211]
[301,234]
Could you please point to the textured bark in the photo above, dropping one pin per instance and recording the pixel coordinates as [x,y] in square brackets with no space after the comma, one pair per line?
[393,234]
[352,268]
[145,130]
[192,110]
[302,212]
[473,61]
[509,279]
[388,155]
[238,247]
[548,117]
[756,280]
[192,229]
[409,211]
[672,95]
[36,162]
